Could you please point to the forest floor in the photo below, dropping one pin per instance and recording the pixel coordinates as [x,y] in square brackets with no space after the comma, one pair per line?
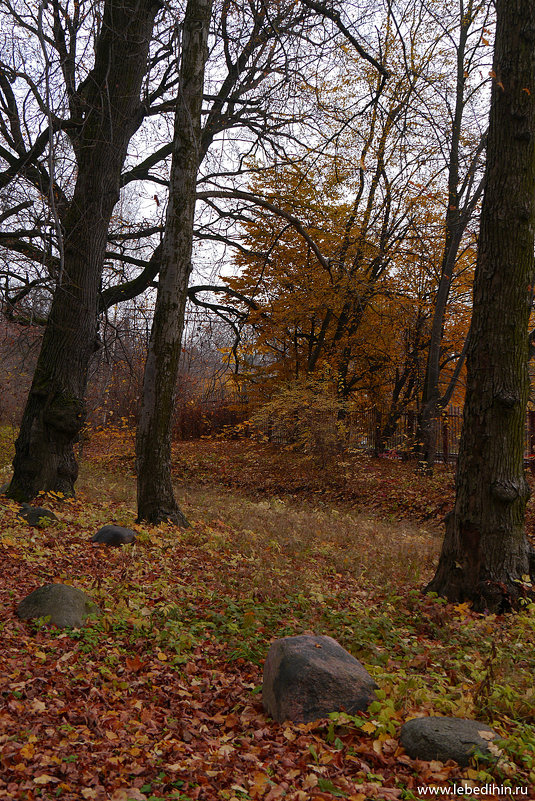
[160,697]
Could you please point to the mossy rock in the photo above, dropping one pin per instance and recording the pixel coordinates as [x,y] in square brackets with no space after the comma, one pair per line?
[441,738]
[63,605]
[113,536]
[36,516]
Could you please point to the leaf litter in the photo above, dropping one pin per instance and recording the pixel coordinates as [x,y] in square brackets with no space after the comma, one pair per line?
[160,697]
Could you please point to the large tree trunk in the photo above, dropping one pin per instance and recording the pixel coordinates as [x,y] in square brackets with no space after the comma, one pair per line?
[156,501]
[55,413]
[485,554]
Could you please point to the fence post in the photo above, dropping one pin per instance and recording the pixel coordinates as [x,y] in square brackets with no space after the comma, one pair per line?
[531,429]
[410,452]
[531,440]
[445,439]
[377,445]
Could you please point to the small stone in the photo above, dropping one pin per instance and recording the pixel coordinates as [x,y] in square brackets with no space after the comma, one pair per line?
[308,677]
[114,536]
[64,605]
[36,516]
[440,739]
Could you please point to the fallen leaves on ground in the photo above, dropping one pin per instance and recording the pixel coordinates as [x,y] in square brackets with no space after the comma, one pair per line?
[160,698]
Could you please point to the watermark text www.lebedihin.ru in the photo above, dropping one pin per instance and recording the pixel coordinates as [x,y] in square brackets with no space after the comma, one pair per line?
[480,791]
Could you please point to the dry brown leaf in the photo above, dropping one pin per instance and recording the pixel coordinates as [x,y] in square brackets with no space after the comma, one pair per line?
[310,781]
[128,794]
[260,785]
[44,778]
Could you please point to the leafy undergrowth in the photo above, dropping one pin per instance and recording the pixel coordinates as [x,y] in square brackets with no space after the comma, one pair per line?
[386,486]
[159,697]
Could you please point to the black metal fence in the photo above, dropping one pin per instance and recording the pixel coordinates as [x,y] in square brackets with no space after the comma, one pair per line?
[366,431]
[446,432]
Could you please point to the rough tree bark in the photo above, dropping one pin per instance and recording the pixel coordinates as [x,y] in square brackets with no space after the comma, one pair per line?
[110,100]
[486,556]
[156,501]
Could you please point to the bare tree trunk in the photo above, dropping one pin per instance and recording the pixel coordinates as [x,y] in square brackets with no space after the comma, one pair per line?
[456,221]
[156,499]
[55,411]
[485,554]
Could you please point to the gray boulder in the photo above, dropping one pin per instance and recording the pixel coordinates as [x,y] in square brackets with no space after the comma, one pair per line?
[446,738]
[114,536]
[308,677]
[66,606]
[36,516]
